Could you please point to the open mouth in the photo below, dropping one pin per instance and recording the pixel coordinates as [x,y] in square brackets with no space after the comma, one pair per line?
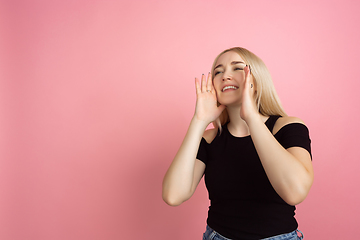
[229,87]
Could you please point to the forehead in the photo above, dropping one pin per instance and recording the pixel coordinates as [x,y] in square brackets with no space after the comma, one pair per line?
[229,57]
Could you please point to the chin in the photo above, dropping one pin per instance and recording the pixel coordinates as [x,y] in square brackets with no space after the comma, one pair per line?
[230,103]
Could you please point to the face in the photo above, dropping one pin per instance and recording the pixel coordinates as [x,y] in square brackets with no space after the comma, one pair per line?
[229,77]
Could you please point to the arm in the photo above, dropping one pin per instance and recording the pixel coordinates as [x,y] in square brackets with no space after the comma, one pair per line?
[289,170]
[185,172]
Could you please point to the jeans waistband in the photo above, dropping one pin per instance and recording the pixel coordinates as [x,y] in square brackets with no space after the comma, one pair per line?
[211,234]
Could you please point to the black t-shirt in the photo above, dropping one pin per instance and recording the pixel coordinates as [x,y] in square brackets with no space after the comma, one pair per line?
[244,205]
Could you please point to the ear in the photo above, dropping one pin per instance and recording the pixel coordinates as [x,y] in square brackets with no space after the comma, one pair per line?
[253,82]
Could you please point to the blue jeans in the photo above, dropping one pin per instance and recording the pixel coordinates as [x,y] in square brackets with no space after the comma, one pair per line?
[210,234]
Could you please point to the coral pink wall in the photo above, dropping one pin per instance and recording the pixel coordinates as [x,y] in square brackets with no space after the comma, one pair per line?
[96,96]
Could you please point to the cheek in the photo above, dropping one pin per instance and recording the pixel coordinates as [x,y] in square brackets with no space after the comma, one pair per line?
[240,76]
[216,83]
[216,87]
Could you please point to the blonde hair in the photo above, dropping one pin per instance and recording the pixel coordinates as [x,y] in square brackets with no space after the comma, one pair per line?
[266,98]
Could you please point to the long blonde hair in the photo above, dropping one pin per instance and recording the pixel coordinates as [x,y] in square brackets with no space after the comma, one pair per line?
[266,98]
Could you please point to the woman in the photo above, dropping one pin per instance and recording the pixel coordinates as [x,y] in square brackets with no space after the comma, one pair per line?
[256,161]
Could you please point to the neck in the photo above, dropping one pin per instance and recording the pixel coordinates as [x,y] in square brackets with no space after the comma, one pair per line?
[237,126]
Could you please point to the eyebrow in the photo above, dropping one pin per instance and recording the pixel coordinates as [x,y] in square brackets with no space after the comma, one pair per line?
[232,63]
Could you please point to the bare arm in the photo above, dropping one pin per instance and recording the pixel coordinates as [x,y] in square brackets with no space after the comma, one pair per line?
[289,170]
[185,172]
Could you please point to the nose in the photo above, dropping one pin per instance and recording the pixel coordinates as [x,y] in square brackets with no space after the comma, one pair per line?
[226,76]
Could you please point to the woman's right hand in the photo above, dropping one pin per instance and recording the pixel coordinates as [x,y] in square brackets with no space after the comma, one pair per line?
[206,101]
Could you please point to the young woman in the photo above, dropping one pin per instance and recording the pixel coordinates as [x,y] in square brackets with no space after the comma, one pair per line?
[257,160]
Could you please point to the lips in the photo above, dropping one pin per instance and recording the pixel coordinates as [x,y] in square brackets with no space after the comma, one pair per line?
[229,87]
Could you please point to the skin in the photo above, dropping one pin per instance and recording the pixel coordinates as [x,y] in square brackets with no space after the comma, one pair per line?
[289,170]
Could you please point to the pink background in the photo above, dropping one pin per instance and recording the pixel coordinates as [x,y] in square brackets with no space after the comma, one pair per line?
[96,96]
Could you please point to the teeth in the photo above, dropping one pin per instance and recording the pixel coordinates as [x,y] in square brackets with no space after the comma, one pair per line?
[229,87]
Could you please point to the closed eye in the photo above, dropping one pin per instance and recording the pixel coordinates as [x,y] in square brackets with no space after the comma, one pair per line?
[216,73]
[238,68]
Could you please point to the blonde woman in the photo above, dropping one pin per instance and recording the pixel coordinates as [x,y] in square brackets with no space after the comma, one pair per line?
[256,161]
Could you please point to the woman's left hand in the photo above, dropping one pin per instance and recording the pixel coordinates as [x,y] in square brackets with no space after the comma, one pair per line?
[248,106]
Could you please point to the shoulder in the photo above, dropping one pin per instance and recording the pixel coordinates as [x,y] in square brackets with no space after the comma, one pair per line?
[283,121]
[210,134]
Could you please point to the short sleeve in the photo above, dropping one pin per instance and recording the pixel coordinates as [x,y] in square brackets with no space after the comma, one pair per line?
[294,135]
[202,152]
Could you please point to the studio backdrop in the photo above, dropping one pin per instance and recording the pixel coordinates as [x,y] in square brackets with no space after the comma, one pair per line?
[96,97]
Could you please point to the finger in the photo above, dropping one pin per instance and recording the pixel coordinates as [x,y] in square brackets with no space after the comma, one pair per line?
[203,83]
[248,82]
[209,82]
[197,86]
[247,73]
